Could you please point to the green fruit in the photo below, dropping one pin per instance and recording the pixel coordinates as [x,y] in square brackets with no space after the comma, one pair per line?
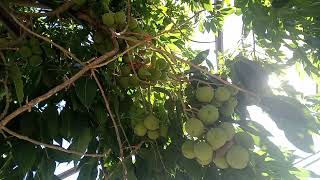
[79,2]
[233,90]
[164,131]
[36,50]
[208,114]
[134,81]
[140,130]
[161,64]
[244,139]
[163,76]
[194,127]
[204,94]
[237,157]
[143,73]
[35,60]
[133,23]
[203,152]
[232,102]
[25,51]
[125,70]
[153,135]
[120,17]
[220,162]
[216,137]
[229,129]
[222,94]
[155,74]
[204,162]
[108,19]
[226,109]
[124,82]
[151,122]
[187,149]
[216,103]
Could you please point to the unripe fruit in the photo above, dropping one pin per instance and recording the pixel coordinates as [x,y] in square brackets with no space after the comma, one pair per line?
[161,64]
[208,114]
[220,162]
[120,17]
[36,50]
[153,134]
[164,131]
[133,23]
[229,129]
[134,81]
[204,94]
[233,102]
[203,152]
[143,73]
[226,110]
[25,51]
[35,60]
[125,70]
[140,130]
[194,127]
[79,2]
[151,122]
[244,139]
[216,137]
[237,157]
[187,149]
[108,19]
[222,94]
[124,82]
[155,74]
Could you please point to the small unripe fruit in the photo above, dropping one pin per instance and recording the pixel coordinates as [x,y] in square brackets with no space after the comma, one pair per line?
[204,94]
[120,17]
[151,122]
[229,129]
[216,137]
[35,60]
[140,130]
[203,152]
[237,157]
[108,19]
[194,127]
[220,162]
[208,114]
[153,134]
[222,94]
[187,149]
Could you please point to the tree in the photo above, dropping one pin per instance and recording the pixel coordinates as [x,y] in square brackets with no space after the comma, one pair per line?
[116,80]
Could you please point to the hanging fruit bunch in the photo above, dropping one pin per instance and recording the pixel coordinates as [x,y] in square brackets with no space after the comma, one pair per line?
[212,139]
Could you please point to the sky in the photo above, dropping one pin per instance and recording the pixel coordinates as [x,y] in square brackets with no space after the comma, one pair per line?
[232,34]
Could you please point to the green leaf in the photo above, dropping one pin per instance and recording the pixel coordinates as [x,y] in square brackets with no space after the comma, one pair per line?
[86,90]
[25,155]
[16,76]
[51,116]
[100,114]
[88,170]
[201,56]
[81,142]
[46,169]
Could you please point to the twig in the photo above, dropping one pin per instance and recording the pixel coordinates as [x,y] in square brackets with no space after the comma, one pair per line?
[45,39]
[113,121]
[6,89]
[58,148]
[63,85]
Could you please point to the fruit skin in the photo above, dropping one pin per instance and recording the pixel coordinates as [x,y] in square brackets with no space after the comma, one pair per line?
[203,152]
[237,157]
[187,149]
[161,64]
[125,70]
[229,129]
[108,19]
[220,162]
[35,60]
[226,109]
[222,94]
[155,74]
[134,81]
[124,82]
[164,131]
[194,127]
[216,137]
[153,134]
[208,114]
[140,130]
[120,17]
[204,94]
[232,102]
[203,162]
[151,122]
[144,73]
[244,139]
[25,52]
[133,23]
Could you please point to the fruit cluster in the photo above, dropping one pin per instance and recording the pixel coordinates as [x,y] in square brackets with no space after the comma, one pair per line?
[213,140]
[32,51]
[150,126]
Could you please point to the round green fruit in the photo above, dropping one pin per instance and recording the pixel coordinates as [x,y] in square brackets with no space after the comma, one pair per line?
[163,76]
[226,109]
[133,23]
[203,152]
[125,70]
[194,127]
[144,73]
[120,17]
[220,162]
[124,82]
[161,64]
[216,137]
[164,131]
[229,129]
[187,149]
[140,130]
[35,60]
[208,114]
[204,94]
[155,74]
[25,51]
[222,94]
[36,50]
[134,81]
[237,157]
[151,122]
[203,162]
[108,19]
[79,2]
[153,134]
[244,139]
[233,102]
